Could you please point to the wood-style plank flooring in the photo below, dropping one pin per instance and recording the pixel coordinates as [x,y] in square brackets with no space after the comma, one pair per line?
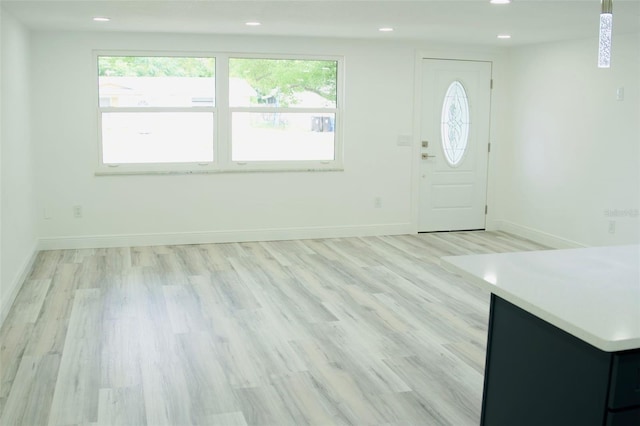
[349,331]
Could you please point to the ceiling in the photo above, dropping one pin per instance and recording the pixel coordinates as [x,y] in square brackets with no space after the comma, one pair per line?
[451,21]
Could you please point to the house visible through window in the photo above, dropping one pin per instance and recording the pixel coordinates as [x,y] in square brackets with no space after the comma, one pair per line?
[287,113]
[156,109]
[161,113]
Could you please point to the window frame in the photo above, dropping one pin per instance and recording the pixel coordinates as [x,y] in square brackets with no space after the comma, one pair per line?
[151,168]
[222,119]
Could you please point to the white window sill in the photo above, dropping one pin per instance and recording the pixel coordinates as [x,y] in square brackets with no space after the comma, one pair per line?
[243,169]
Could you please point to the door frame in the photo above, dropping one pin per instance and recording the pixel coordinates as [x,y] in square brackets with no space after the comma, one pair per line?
[496,130]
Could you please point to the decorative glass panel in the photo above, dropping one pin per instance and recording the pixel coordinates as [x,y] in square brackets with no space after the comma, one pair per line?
[604,45]
[455,123]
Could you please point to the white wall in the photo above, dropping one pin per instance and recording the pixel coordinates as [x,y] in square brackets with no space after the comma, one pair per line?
[564,151]
[575,149]
[3,309]
[218,207]
[17,212]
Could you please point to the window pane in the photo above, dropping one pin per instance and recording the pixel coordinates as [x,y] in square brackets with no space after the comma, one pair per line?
[282,83]
[283,137]
[134,81]
[157,137]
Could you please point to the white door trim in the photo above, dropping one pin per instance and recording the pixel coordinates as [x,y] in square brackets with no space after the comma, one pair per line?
[497,131]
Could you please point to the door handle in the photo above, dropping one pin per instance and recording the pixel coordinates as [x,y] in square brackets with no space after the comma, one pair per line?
[427,156]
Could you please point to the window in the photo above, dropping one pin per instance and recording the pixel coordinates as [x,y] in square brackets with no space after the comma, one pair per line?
[282,109]
[156,109]
[161,113]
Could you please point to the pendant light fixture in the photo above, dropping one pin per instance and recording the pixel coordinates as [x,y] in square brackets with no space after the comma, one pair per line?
[604,44]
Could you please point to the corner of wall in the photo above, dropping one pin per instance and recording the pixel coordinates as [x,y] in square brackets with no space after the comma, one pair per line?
[2,310]
[16,284]
[18,233]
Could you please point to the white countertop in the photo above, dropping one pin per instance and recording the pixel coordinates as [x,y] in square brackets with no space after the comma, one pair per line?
[592,293]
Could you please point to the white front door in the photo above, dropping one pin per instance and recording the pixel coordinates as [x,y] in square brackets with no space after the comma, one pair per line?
[456,106]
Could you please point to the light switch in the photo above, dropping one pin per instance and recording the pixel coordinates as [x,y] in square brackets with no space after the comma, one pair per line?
[620,94]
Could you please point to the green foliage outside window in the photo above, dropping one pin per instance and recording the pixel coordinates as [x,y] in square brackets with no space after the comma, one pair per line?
[283,78]
[155,66]
[278,79]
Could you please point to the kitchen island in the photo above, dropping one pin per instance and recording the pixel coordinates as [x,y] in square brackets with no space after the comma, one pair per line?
[564,335]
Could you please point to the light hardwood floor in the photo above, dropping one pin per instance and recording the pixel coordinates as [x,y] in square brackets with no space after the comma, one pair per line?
[361,331]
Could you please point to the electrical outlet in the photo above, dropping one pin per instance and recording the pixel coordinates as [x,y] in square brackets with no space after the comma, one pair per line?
[612,226]
[77,211]
[377,202]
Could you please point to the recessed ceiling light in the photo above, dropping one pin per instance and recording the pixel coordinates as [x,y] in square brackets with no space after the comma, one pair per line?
[252,24]
[504,36]
[101,19]
[500,1]
[385,29]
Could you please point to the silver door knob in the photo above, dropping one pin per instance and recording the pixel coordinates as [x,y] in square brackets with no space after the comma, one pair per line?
[427,156]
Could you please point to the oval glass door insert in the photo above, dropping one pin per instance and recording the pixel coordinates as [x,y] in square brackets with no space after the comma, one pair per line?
[455,123]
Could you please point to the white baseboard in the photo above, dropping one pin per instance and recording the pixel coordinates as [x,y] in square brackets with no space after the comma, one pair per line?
[132,240]
[535,235]
[17,282]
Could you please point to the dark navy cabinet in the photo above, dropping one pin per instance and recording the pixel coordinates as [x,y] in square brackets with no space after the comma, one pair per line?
[537,374]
